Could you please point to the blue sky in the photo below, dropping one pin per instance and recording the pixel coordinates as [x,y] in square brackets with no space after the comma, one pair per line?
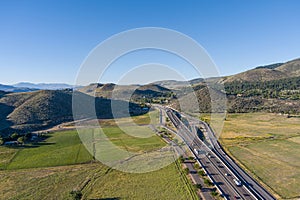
[46,41]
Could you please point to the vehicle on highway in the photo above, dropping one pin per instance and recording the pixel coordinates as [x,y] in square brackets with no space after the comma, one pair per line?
[237,182]
[208,155]
[196,151]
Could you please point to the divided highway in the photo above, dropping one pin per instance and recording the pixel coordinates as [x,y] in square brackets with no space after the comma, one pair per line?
[222,170]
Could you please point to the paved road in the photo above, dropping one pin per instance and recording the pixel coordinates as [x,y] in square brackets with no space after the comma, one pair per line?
[250,183]
[218,163]
[211,163]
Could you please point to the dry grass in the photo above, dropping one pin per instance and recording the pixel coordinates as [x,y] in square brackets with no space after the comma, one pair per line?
[44,183]
[267,145]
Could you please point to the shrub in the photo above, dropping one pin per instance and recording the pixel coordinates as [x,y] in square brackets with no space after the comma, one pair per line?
[198,186]
[76,195]
[208,182]
[197,166]
[214,193]
[186,171]
[181,159]
[201,173]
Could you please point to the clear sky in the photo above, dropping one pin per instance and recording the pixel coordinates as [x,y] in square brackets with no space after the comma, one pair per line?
[46,41]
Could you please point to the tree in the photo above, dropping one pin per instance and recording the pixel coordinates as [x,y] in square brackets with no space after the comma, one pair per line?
[208,182]
[14,136]
[198,186]
[201,173]
[197,166]
[21,140]
[186,171]
[214,193]
[181,158]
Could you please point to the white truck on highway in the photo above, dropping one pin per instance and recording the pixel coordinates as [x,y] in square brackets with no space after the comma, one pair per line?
[196,151]
[237,182]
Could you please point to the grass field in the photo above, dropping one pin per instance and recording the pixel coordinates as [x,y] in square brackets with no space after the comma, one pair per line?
[44,183]
[267,145]
[61,148]
[96,181]
[167,183]
[51,170]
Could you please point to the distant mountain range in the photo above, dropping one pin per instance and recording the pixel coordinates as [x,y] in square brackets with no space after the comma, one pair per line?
[9,88]
[27,107]
[43,86]
[27,87]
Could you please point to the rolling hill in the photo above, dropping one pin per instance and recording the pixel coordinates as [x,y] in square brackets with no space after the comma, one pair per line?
[126,92]
[271,88]
[24,112]
[267,73]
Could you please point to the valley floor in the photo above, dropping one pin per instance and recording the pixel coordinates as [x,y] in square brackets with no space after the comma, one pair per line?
[268,146]
[51,169]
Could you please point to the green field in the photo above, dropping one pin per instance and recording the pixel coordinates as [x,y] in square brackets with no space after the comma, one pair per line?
[53,168]
[61,148]
[267,145]
[123,140]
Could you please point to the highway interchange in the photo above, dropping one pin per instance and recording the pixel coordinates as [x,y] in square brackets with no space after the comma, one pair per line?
[220,168]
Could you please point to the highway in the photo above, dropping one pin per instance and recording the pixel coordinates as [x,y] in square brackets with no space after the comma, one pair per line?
[220,167]
[250,183]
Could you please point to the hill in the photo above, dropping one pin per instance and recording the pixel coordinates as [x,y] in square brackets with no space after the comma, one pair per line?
[272,88]
[291,68]
[134,93]
[31,111]
[173,84]
[267,73]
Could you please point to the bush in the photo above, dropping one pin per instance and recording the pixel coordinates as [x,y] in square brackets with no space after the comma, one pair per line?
[14,136]
[76,195]
[186,171]
[21,140]
[197,166]
[208,182]
[191,158]
[201,173]
[214,193]
[181,159]
[198,186]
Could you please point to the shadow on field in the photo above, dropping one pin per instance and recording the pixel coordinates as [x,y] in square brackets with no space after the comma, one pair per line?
[35,144]
[30,146]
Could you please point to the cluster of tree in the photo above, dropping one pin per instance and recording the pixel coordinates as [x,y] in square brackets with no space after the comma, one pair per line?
[160,98]
[21,139]
[288,88]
